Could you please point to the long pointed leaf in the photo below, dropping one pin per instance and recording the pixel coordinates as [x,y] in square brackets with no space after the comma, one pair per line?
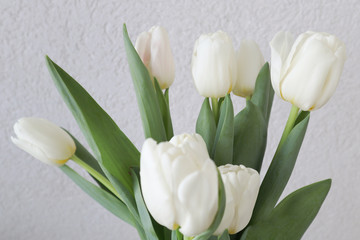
[263,94]
[143,212]
[145,93]
[205,124]
[293,215]
[165,109]
[107,200]
[250,133]
[109,144]
[222,151]
[279,172]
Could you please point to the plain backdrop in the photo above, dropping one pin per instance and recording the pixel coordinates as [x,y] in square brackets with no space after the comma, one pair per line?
[38,201]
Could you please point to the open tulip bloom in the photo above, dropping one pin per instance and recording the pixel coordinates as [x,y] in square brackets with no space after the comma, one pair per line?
[204,185]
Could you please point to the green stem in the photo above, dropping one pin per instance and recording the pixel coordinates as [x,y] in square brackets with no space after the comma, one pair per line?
[188,238]
[289,125]
[96,175]
[248,98]
[215,108]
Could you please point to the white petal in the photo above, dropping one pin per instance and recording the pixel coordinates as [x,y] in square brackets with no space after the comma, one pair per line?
[307,74]
[280,48]
[249,62]
[162,60]
[142,46]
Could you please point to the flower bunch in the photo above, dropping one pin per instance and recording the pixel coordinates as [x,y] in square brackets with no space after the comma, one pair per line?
[204,185]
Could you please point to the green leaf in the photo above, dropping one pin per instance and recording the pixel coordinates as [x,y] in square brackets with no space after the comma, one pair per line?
[279,172]
[221,209]
[263,94]
[205,124]
[250,133]
[163,100]
[224,236]
[145,93]
[107,200]
[222,151]
[293,215]
[143,212]
[111,147]
[88,158]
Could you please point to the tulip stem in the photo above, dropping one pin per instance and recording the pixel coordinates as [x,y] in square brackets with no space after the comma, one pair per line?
[215,108]
[96,175]
[289,125]
[188,238]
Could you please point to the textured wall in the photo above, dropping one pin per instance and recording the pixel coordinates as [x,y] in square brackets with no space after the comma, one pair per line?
[39,202]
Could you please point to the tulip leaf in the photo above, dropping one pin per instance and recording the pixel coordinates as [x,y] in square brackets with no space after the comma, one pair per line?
[205,124]
[112,148]
[126,196]
[145,217]
[221,209]
[279,172]
[145,93]
[222,151]
[250,133]
[263,94]
[164,108]
[107,200]
[292,216]
[88,158]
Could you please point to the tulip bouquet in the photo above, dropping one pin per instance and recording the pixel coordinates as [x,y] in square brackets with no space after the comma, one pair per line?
[204,185]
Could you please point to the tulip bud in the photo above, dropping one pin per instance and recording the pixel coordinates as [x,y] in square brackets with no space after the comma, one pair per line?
[306,72]
[249,62]
[179,183]
[214,65]
[44,140]
[241,188]
[154,50]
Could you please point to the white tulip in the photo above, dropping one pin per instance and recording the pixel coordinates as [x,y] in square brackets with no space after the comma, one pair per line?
[214,65]
[179,183]
[241,188]
[249,62]
[154,50]
[44,140]
[306,72]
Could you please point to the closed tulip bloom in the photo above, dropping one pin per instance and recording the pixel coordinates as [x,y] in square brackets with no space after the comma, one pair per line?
[249,62]
[179,183]
[306,72]
[154,50]
[241,188]
[44,140]
[214,65]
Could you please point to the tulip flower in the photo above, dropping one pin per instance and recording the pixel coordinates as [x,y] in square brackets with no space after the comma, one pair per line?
[154,50]
[179,183]
[241,188]
[44,140]
[249,62]
[214,65]
[306,72]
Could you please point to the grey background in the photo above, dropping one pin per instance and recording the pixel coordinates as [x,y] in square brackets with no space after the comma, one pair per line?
[85,38]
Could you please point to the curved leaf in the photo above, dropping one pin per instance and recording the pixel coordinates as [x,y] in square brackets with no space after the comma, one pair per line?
[145,93]
[293,215]
[107,200]
[111,147]
[250,133]
[279,172]
[263,94]
[222,151]
[205,124]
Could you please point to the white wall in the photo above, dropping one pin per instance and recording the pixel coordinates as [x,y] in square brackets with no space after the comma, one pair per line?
[85,38]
